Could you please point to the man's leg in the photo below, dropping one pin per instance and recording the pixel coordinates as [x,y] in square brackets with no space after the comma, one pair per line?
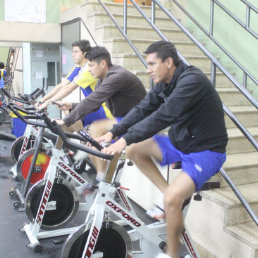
[141,154]
[178,191]
[97,129]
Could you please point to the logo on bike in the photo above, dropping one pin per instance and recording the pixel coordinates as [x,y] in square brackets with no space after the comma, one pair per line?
[24,145]
[92,242]
[43,203]
[123,213]
[72,173]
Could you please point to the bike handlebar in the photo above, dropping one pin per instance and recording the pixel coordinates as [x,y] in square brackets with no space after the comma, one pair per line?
[89,139]
[53,126]
[26,98]
[24,110]
[25,118]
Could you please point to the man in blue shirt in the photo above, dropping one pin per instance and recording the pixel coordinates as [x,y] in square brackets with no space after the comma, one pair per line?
[3,74]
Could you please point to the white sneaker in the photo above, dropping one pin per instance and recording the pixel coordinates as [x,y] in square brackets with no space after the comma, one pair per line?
[162,255]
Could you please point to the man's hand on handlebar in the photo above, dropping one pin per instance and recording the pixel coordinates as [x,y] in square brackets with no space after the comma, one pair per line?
[59,121]
[107,138]
[37,104]
[44,104]
[62,105]
[116,147]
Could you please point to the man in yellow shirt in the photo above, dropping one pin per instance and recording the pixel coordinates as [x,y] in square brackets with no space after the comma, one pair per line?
[78,77]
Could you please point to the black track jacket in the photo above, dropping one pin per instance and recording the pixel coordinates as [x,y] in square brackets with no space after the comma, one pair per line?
[189,104]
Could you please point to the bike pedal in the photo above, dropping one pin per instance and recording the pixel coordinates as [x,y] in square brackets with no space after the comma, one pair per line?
[58,241]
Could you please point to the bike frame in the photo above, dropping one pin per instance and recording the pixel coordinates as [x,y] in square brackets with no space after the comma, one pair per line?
[33,229]
[105,203]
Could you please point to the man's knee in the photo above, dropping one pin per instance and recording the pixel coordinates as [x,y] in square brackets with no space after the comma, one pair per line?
[100,127]
[130,151]
[172,200]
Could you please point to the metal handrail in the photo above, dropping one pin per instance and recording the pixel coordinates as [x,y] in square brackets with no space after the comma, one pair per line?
[214,64]
[123,34]
[248,7]
[244,25]
[207,53]
[210,35]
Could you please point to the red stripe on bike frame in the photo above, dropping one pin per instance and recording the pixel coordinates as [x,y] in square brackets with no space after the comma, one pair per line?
[189,244]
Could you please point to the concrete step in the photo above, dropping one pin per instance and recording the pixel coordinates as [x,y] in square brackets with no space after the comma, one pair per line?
[136,32]
[242,168]
[247,233]
[221,80]
[211,215]
[94,6]
[120,46]
[132,62]
[99,18]
[232,97]
[236,213]
[238,143]
[247,115]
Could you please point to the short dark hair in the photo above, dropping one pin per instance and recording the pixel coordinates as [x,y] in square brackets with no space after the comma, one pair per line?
[164,49]
[98,54]
[1,65]
[83,44]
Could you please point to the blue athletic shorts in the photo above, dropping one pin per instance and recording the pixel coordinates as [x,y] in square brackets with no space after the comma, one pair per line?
[97,115]
[118,119]
[200,166]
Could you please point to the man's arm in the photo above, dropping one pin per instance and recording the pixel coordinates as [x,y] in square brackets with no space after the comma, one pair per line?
[91,103]
[189,91]
[147,106]
[65,91]
[54,91]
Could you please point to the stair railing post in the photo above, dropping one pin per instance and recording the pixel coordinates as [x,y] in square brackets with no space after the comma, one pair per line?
[153,10]
[245,80]
[247,21]
[125,17]
[213,74]
[211,18]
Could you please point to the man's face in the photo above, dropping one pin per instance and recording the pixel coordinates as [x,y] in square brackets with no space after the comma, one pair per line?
[96,69]
[77,55]
[159,71]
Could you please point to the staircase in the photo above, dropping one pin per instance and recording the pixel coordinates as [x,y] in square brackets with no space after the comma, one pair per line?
[219,224]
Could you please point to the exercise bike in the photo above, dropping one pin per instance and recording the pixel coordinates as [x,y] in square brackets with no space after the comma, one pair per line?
[113,228]
[53,201]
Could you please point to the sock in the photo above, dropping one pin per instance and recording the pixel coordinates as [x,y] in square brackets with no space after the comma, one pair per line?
[100,176]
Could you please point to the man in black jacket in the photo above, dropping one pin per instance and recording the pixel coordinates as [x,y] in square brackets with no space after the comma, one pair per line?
[184,100]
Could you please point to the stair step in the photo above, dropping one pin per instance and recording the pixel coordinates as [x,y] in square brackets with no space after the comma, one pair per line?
[246,232]
[91,7]
[99,18]
[238,143]
[132,62]
[210,215]
[247,115]
[134,32]
[242,168]
[236,213]
[118,46]
[221,80]
[232,97]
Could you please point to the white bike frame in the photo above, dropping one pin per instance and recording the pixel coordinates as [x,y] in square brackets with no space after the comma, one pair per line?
[105,203]
[33,229]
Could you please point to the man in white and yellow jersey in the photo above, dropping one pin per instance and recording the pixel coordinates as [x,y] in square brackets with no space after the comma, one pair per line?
[78,77]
